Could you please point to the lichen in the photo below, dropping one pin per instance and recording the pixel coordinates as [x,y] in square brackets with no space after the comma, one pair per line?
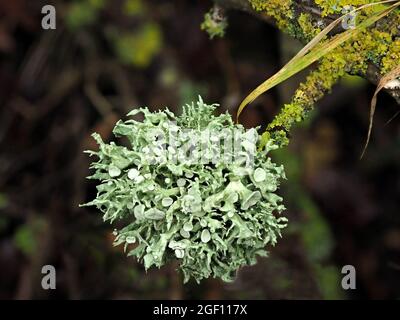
[280,10]
[215,23]
[379,45]
[211,215]
[306,25]
[392,57]
[335,6]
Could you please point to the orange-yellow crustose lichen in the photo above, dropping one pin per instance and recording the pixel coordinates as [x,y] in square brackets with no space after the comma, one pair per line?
[336,6]
[392,57]
[379,45]
[307,27]
[280,10]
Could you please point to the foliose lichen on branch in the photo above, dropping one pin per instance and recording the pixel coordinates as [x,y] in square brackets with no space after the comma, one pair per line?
[213,215]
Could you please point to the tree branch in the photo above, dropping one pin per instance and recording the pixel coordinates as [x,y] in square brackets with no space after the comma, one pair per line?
[373,73]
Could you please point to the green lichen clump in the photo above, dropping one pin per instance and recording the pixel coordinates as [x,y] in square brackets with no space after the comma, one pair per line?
[213,215]
[378,45]
[215,23]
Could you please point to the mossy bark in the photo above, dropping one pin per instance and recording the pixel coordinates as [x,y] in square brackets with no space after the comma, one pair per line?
[371,54]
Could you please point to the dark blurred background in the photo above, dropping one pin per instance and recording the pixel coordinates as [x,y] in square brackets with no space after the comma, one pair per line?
[107,57]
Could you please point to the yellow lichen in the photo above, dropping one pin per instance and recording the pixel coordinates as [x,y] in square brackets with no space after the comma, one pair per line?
[280,10]
[336,6]
[307,27]
[392,57]
[316,85]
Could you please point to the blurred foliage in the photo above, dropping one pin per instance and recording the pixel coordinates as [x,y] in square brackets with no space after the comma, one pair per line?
[189,91]
[134,7]
[3,224]
[83,13]
[135,47]
[140,47]
[27,236]
[313,227]
[3,200]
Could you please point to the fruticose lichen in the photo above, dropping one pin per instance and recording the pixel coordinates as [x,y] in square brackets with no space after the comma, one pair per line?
[378,45]
[214,209]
